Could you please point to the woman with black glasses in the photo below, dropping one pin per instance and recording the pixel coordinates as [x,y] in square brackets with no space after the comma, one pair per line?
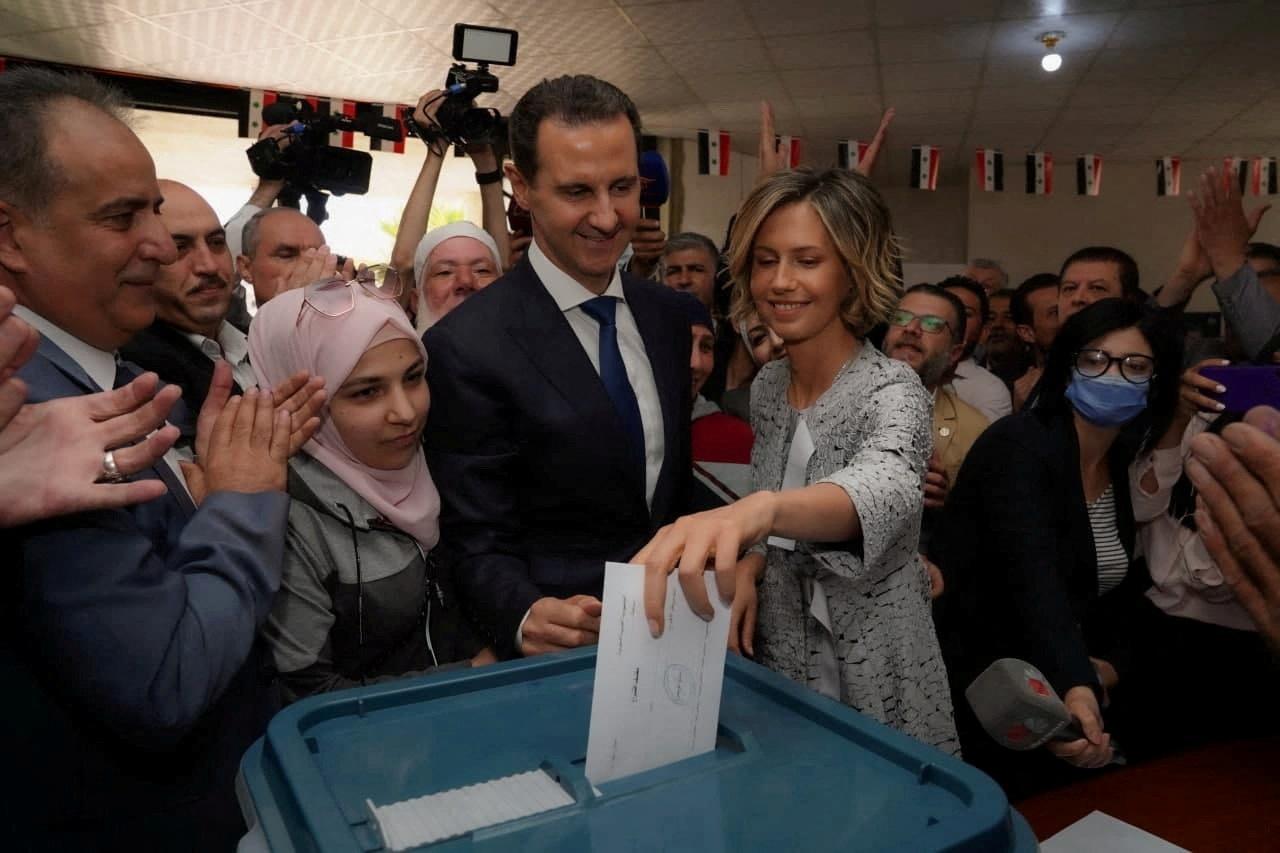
[1037,545]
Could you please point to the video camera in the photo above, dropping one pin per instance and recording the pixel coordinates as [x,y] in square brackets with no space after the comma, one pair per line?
[458,121]
[308,163]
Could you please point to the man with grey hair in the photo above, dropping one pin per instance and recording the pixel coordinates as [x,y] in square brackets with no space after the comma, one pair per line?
[130,633]
[559,425]
[281,250]
[988,273]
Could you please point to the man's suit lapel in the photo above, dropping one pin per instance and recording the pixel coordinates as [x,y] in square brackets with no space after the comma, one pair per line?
[538,326]
[67,365]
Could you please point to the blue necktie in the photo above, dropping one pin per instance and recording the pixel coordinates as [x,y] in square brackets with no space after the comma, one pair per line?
[613,373]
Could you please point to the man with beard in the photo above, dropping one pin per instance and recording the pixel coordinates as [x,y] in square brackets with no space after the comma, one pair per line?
[1006,355]
[193,296]
[927,332]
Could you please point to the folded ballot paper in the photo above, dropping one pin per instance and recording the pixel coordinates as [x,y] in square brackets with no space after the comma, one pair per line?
[655,701]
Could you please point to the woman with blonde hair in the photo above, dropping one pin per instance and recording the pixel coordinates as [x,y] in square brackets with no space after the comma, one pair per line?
[831,592]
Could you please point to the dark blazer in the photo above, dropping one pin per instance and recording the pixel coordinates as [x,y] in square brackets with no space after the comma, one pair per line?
[165,350]
[1017,554]
[527,450]
[128,656]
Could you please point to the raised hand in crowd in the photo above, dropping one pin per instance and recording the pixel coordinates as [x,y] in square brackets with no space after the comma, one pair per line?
[873,149]
[771,160]
[244,450]
[1024,385]
[315,265]
[78,432]
[1222,227]
[1237,477]
[648,242]
[18,342]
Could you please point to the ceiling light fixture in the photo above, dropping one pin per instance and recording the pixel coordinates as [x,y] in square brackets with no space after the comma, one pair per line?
[1052,60]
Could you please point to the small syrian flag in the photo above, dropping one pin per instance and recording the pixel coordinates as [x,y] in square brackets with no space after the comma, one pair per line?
[924,166]
[1235,168]
[1264,176]
[342,138]
[1168,176]
[1088,174]
[391,111]
[850,153]
[713,152]
[789,146]
[251,111]
[990,165]
[1040,173]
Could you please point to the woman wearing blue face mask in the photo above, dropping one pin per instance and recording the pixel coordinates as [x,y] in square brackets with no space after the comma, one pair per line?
[1037,545]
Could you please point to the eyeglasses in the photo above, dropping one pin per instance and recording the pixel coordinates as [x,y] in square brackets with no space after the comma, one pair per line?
[931,323]
[1137,369]
[335,296]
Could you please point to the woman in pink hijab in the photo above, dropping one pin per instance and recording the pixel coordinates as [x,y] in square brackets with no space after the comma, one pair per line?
[361,598]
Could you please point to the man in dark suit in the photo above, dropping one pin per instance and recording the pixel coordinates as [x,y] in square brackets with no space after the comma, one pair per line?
[559,425]
[128,642]
[192,297]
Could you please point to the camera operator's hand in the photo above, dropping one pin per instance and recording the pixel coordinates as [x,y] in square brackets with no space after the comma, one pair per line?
[268,190]
[482,157]
[425,113]
[648,243]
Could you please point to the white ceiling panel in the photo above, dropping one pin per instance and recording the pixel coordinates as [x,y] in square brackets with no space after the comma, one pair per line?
[716,56]
[1170,74]
[790,53]
[1205,22]
[917,13]
[798,17]
[930,76]
[354,19]
[934,44]
[692,22]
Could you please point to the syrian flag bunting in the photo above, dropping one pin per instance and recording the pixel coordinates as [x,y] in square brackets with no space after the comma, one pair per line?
[990,166]
[1264,176]
[713,152]
[851,153]
[251,111]
[924,166]
[1235,168]
[391,111]
[1088,174]
[789,147]
[342,138]
[1168,176]
[1040,173]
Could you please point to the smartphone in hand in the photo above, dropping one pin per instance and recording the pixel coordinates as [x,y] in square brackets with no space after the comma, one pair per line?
[1248,385]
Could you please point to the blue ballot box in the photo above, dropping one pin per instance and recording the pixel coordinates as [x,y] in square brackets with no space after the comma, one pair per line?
[791,771]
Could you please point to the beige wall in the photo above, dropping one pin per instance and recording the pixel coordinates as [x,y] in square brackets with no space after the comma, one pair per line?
[1031,234]
[1028,234]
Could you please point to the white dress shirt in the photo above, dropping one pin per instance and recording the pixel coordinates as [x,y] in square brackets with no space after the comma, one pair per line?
[569,296]
[982,389]
[232,345]
[100,365]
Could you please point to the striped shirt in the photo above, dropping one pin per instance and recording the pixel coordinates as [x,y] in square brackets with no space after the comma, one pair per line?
[1113,562]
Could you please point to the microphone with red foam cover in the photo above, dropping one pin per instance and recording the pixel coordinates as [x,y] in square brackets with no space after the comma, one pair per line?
[1018,707]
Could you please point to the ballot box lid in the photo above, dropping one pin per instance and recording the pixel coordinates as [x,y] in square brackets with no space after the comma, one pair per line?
[791,770]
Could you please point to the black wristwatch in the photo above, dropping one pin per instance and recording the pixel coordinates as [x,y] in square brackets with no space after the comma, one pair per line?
[493,177]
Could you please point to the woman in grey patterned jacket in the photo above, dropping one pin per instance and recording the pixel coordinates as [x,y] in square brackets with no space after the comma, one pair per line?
[831,592]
